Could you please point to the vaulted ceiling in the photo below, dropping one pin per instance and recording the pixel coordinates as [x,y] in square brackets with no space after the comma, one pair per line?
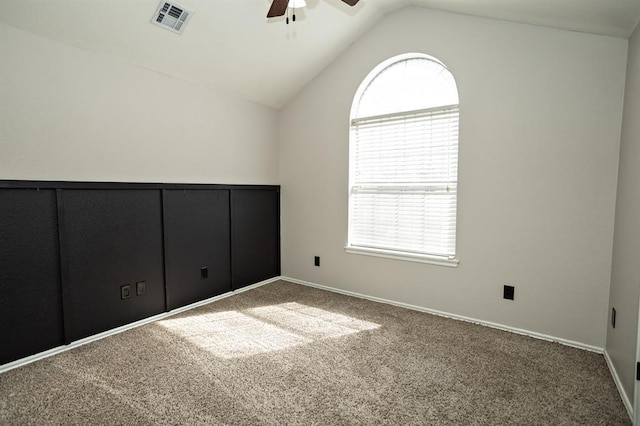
[230,45]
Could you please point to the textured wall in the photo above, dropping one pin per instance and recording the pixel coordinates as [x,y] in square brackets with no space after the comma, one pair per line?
[70,114]
[539,139]
[625,275]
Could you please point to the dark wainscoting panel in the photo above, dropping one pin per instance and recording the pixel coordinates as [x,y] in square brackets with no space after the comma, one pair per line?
[196,232]
[68,248]
[30,300]
[255,235]
[110,238]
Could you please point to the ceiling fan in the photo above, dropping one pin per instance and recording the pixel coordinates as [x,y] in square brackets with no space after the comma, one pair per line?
[279,7]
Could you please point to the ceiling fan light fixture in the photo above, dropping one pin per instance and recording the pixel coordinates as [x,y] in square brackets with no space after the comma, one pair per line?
[279,7]
[297,4]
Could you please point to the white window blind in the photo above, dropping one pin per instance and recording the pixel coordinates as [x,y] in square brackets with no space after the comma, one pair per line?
[404,181]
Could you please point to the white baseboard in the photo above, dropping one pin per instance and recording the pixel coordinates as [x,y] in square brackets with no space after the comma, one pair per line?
[27,360]
[36,357]
[529,333]
[616,379]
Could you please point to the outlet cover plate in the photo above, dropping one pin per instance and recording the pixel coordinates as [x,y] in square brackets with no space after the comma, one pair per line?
[613,317]
[141,288]
[125,291]
[509,292]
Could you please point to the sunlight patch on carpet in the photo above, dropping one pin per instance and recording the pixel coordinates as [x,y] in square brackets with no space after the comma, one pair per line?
[254,331]
[311,322]
[232,334]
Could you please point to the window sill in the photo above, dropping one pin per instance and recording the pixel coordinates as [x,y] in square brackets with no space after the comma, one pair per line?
[390,254]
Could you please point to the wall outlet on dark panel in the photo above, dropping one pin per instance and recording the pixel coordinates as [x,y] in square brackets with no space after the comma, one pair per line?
[613,317]
[204,272]
[509,292]
[316,260]
[125,291]
[141,288]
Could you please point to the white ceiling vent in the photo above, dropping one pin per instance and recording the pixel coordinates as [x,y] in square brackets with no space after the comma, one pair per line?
[172,16]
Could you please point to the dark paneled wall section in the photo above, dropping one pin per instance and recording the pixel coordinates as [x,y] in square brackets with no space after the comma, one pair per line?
[77,258]
[197,241]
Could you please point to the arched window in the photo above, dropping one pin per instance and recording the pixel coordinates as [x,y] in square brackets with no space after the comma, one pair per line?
[403,161]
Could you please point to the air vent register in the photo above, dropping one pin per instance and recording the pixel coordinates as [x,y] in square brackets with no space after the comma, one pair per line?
[171,16]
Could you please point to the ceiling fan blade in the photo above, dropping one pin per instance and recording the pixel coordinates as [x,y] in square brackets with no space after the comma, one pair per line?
[351,2]
[278,8]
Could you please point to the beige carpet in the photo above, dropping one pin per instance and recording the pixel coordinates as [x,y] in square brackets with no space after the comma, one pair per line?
[288,354]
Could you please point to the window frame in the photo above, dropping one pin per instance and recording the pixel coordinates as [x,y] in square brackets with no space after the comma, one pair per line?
[406,255]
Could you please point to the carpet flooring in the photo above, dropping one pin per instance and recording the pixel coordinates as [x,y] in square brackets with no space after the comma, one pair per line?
[289,354]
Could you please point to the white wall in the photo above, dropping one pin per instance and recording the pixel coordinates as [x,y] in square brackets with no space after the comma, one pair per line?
[70,114]
[539,138]
[625,276]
